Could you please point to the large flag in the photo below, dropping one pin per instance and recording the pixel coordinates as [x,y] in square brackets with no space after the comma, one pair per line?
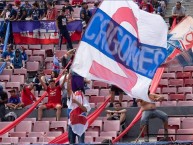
[180,44]
[76,116]
[122,45]
[43,32]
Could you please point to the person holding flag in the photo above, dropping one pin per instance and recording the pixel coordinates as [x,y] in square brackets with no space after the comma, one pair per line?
[78,107]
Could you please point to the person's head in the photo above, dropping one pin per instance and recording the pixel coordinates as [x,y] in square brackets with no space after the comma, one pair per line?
[31,86]
[49,5]
[118,106]
[1,88]
[178,5]
[96,4]
[10,48]
[63,10]
[84,5]
[17,52]
[52,83]
[9,6]
[54,74]
[66,2]
[26,2]
[12,92]
[35,5]
[17,3]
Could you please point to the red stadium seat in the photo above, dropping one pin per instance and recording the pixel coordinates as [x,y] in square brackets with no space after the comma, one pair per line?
[174,123]
[5,135]
[36,134]
[29,139]
[169,90]
[28,52]
[101,138]
[36,59]
[53,134]
[176,97]
[176,82]
[188,68]
[46,47]
[158,90]
[188,134]
[188,82]
[168,103]
[97,124]
[92,92]
[10,140]
[170,131]
[185,90]
[49,119]
[99,85]
[60,53]
[182,75]
[112,134]
[13,85]
[187,123]
[104,92]
[185,103]
[88,139]
[33,120]
[3,124]
[7,72]
[46,139]
[24,126]
[18,78]
[58,126]
[18,134]
[4,78]
[175,69]
[39,53]
[163,82]
[168,76]
[41,126]
[96,99]
[35,47]
[109,123]
[32,66]
[92,133]
[189,97]
[21,71]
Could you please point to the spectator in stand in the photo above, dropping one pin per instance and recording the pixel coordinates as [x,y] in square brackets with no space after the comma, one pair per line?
[2,5]
[146,6]
[14,101]
[52,12]
[36,13]
[9,13]
[43,6]
[117,114]
[1,44]
[93,10]
[61,23]
[116,91]
[68,10]
[85,14]
[37,83]
[3,102]
[78,107]
[178,12]
[17,60]
[21,12]
[54,97]
[150,111]
[27,5]
[27,96]
[8,54]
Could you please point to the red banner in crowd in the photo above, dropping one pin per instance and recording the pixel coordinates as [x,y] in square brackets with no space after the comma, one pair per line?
[43,32]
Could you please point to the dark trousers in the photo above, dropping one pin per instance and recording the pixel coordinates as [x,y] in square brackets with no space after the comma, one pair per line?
[64,33]
[72,136]
[2,111]
[171,19]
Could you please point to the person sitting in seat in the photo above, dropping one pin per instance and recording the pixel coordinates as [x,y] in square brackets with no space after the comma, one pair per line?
[150,111]
[117,114]
[54,97]
[14,101]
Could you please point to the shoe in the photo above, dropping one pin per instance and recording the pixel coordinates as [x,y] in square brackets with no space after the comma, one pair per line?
[111,105]
[146,138]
